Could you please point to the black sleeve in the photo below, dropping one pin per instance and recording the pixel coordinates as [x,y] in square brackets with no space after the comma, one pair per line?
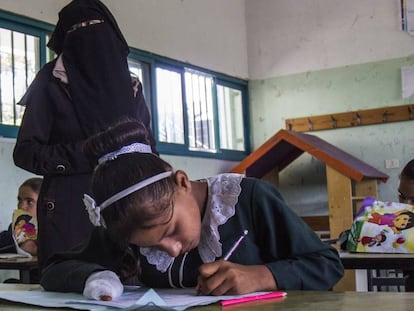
[300,259]
[6,241]
[72,275]
[47,107]
[73,268]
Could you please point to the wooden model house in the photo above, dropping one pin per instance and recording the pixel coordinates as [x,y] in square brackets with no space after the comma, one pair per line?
[349,180]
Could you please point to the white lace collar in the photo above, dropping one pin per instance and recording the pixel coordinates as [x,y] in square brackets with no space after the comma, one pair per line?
[223,193]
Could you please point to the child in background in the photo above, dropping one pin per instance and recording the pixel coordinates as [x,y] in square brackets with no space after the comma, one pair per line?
[406,195]
[164,230]
[27,201]
[406,187]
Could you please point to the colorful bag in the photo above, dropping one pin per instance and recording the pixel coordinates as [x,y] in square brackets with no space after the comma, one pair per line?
[382,227]
[24,227]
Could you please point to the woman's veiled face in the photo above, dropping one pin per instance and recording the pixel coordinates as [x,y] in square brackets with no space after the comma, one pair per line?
[84,24]
[177,231]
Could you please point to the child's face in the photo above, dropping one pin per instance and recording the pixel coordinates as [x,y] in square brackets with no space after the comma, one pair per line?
[177,233]
[406,190]
[27,200]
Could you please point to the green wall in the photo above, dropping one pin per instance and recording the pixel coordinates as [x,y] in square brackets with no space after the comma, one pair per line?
[344,89]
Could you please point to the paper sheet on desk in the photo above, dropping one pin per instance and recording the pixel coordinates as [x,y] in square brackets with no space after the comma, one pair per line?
[163,299]
[13,255]
[139,299]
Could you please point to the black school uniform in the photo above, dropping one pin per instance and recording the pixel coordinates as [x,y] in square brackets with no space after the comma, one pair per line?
[277,238]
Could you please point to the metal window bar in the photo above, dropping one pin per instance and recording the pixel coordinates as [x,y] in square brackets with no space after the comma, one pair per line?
[203,124]
[196,111]
[13,77]
[207,91]
[198,96]
[192,117]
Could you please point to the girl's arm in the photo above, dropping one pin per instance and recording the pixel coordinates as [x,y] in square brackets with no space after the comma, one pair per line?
[73,268]
[280,251]
[297,258]
[72,275]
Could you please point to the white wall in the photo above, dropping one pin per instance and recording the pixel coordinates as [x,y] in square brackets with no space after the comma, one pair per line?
[211,34]
[286,37]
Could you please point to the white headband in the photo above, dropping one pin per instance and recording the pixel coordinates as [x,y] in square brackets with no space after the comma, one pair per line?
[94,211]
[134,147]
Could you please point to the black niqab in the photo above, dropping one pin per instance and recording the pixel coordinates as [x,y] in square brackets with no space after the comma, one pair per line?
[95,59]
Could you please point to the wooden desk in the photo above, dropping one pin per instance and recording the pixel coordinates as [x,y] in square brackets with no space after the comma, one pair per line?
[376,261]
[24,265]
[373,262]
[295,300]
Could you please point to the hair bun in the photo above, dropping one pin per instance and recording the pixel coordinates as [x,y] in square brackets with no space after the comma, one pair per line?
[122,133]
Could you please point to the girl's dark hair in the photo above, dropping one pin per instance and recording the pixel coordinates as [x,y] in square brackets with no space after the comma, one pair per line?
[408,170]
[33,183]
[134,211]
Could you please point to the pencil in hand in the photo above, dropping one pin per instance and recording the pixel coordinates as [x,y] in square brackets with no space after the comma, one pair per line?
[226,257]
[235,245]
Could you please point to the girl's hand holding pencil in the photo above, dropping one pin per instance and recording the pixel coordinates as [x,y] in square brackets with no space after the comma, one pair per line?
[226,278]
[223,277]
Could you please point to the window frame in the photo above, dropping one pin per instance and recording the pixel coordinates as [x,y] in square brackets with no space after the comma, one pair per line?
[154,61]
[31,27]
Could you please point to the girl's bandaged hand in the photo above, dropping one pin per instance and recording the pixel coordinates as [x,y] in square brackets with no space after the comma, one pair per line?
[103,285]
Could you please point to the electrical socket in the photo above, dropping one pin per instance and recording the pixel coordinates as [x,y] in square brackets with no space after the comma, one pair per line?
[392,163]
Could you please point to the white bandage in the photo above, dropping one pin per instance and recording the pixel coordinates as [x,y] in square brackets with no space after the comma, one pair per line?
[103,285]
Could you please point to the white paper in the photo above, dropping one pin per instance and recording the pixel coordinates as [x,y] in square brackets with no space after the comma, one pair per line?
[137,298]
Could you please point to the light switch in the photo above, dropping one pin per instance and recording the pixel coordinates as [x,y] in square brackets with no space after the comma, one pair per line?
[392,163]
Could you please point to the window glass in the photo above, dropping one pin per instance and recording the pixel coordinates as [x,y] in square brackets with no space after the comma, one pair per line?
[230,114]
[19,63]
[169,106]
[136,69]
[200,111]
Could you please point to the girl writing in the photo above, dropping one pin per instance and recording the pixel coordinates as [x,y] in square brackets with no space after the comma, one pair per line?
[158,227]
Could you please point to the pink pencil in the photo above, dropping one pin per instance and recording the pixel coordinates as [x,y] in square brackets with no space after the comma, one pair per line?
[253,298]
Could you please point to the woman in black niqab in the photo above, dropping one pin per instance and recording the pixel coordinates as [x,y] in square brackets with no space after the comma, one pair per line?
[94,54]
[84,90]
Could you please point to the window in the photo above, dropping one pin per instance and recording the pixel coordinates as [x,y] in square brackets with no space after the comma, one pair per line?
[19,63]
[22,53]
[170,117]
[200,111]
[230,107]
[196,112]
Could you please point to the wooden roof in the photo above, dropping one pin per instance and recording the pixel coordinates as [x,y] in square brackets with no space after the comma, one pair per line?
[285,146]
